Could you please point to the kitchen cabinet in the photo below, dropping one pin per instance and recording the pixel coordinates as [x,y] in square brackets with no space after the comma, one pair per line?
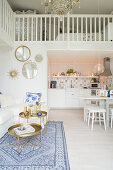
[56,98]
[72,98]
[83,93]
[67,98]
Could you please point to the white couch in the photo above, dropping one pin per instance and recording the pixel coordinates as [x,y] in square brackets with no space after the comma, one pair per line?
[9,113]
[6,120]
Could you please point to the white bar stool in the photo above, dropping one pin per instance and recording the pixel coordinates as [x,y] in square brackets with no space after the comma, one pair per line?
[86,110]
[96,114]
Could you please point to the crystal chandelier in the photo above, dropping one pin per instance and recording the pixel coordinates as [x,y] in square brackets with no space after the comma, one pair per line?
[60,7]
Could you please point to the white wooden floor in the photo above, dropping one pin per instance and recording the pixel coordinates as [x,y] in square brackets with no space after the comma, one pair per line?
[87,150]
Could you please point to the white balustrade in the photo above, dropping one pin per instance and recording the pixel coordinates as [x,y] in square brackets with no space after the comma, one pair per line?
[35,27]
[73,27]
[6,19]
[55,28]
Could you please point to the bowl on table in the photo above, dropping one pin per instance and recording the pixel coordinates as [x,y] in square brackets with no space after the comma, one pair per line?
[39,114]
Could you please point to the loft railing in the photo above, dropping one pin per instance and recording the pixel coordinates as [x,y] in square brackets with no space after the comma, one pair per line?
[6,20]
[97,28]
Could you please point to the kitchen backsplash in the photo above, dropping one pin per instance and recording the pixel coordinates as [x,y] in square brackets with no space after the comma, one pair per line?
[106,81]
[72,82]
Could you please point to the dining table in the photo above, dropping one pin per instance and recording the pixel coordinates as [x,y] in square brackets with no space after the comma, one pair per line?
[107,100]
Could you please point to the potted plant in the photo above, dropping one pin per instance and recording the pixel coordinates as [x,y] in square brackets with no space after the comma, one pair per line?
[70,71]
[93,80]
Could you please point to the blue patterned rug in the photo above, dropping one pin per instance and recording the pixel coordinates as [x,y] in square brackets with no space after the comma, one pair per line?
[51,156]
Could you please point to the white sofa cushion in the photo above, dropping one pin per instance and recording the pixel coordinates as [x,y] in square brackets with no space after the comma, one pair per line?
[6,100]
[4,127]
[5,115]
[17,108]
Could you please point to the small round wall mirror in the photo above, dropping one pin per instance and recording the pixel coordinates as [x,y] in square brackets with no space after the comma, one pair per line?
[38,58]
[29,70]
[22,53]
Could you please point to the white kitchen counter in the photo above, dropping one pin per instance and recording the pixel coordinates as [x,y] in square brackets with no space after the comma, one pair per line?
[97,98]
[67,98]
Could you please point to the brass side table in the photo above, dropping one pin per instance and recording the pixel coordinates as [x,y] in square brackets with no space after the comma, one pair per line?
[34,115]
[38,129]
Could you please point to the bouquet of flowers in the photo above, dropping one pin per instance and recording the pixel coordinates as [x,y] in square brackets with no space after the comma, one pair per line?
[38,104]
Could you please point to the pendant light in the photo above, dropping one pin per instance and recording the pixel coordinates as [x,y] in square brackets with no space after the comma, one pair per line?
[98,68]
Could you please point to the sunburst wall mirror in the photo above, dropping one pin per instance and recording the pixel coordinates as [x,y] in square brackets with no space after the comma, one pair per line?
[13,74]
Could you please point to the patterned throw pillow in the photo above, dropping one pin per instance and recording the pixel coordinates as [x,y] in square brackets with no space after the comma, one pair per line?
[32,98]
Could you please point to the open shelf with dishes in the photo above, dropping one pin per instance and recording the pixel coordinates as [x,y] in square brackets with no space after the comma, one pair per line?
[73,76]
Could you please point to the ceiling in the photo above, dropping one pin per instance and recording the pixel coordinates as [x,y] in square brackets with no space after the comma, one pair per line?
[81,57]
[86,6]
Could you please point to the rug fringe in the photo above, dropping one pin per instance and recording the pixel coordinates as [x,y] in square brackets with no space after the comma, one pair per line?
[54,121]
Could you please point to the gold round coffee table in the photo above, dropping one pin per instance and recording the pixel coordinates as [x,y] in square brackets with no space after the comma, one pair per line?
[37,129]
[27,115]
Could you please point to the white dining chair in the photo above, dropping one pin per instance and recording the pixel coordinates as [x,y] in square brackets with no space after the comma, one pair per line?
[96,114]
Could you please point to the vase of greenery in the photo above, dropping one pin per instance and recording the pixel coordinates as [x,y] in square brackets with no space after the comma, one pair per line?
[70,72]
[108,93]
[38,105]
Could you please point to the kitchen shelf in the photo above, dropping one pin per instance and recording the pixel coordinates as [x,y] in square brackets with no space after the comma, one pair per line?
[73,76]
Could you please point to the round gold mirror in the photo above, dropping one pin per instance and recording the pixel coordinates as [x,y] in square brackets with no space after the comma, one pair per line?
[22,53]
[29,70]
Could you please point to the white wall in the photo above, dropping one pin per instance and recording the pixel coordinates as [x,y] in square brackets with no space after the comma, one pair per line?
[20,85]
[85,69]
